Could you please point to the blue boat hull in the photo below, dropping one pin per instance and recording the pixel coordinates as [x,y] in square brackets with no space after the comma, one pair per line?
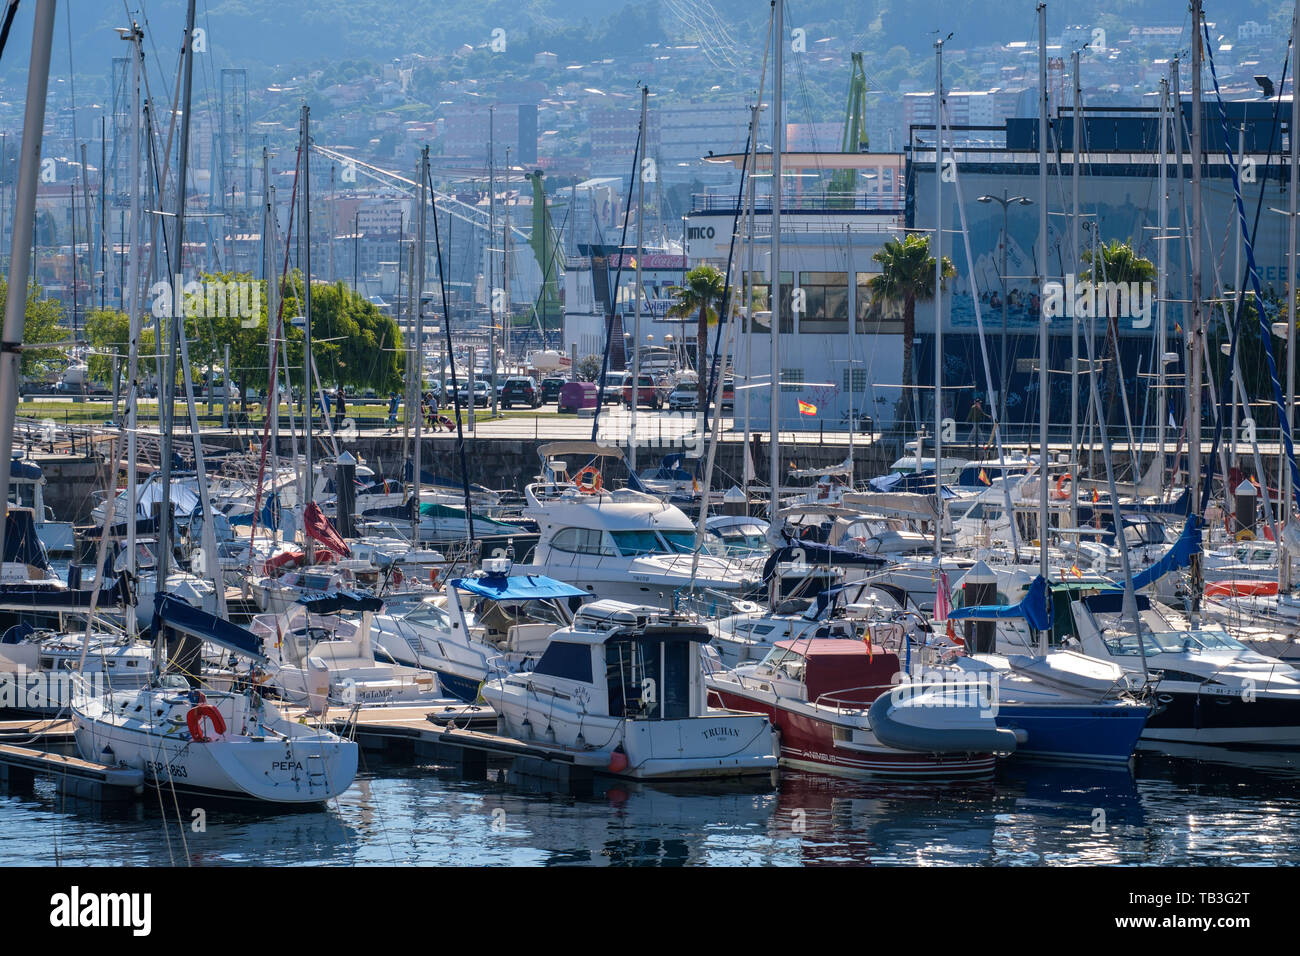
[464,689]
[1088,732]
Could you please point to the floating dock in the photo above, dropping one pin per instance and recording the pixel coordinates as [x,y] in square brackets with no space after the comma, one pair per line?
[75,777]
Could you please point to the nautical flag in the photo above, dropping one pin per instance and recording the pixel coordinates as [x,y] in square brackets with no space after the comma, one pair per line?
[942,603]
[1074,569]
[807,408]
[984,477]
[1095,497]
[1178,328]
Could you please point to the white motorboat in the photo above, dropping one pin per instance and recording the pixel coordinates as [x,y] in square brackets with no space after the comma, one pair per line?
[623,690]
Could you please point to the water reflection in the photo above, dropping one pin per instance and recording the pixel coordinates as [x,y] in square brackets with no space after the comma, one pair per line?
[1163,811]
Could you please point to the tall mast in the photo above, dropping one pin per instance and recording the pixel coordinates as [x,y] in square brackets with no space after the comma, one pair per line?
[134,37]
[24,228]
[937,245]
[1196,330]
[774,278]
[309,490]
[417,464]
[1290,279]
[636,323]
[1162,396]
[1044,373]
[1077,135]
[166,395]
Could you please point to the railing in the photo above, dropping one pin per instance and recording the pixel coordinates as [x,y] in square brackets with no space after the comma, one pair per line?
[806,201]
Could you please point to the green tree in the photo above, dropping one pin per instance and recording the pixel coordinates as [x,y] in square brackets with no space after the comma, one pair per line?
[109,333]
[588,369]
[1119,264]
[906,277]
[43,322]
[703,291]
[354,344]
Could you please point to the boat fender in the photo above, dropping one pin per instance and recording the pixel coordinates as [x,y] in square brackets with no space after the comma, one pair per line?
[618,760]
[195,716]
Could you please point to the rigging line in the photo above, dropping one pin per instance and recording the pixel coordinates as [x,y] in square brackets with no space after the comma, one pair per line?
[1284,425]
[618,276]
[419,359]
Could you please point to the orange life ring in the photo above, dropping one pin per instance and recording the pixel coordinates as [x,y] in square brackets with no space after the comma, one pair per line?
[1060,486]
[591,486]
[197,714]
[433,576]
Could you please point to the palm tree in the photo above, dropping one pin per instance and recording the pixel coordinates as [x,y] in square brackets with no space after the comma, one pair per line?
[1119,264]
[906,277]
[704,289]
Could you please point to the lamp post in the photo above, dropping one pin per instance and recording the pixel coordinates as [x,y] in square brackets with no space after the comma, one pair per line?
[1005,202]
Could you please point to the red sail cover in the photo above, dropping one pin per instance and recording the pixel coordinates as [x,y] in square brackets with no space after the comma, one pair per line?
[320,529]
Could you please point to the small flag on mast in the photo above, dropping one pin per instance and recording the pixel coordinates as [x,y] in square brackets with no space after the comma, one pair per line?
[807,408]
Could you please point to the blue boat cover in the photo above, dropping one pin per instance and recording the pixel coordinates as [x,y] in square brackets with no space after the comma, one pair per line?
[1034,608]
[520,587]
[25,470]
[1112,602]
[22,543]
[338,601]
[179,615]
[1179,556]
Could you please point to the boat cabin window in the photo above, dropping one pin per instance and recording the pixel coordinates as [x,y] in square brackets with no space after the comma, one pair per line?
[649,679]
[314,582]
[566,660]
[1173,642]
[633,543]
[428,614]
[22,493]
[682,542]
[580,541]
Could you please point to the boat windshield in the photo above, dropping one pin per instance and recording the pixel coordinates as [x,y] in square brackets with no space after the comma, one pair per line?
[633,543]
[681,542]
[1173,642]
[742,538]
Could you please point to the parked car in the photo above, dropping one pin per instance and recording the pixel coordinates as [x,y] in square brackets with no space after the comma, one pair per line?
[576,395]
[684,397]
[614,386]
[482,393]
[551,388]
[520,390]
[648,391]
[728,394]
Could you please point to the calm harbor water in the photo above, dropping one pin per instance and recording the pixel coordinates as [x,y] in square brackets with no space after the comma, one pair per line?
[1164,812]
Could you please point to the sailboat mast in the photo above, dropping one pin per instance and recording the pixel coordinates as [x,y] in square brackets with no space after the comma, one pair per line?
[938,302]
[166,395]
[1196,329]
[774,277]
[134,37]
[636,322]
[1044,373]
[1076,136]
[308,477]
[1162,396]
[20,247]
[418,363]
[1291,272]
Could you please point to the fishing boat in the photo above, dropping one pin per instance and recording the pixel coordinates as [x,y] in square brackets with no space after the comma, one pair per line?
[623,689]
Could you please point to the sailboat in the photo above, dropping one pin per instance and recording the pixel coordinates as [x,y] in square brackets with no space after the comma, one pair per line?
[227,744]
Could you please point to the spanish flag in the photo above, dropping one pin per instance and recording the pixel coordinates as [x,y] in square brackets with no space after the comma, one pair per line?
[984,477]
[1074,569]
[1095,497]
[807,408]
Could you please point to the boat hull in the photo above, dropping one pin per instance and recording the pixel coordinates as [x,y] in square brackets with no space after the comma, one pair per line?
[810,743]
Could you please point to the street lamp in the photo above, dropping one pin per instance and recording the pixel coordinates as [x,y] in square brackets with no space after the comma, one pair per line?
[1005,202]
